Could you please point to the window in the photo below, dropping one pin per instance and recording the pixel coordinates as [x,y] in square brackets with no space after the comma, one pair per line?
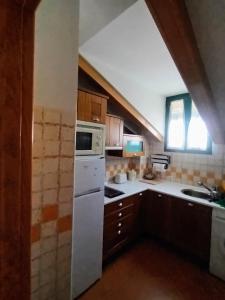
[185,131]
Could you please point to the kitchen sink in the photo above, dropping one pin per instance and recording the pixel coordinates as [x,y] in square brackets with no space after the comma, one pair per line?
[193,193]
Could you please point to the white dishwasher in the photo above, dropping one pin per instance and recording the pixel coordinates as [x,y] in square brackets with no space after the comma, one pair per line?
[217,254]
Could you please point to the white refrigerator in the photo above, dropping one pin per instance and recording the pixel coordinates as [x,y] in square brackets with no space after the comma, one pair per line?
[88,215]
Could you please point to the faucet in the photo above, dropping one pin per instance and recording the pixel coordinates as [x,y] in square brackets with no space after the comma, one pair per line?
[214,194]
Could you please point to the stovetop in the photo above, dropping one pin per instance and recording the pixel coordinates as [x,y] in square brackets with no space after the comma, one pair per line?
[112,193]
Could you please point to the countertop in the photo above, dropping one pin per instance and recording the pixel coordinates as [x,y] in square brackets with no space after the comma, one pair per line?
[165,187]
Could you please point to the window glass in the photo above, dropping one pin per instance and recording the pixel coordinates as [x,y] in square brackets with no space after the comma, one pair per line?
[176,129]
[185,131]
[197,132]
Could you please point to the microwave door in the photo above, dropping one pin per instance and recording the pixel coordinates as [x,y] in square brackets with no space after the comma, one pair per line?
[84,142]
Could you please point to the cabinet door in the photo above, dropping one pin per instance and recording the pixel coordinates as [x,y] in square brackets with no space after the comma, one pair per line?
[156,210]
[116,132]
[133,145]
[97,109]
[191,227]
[107,130]
[83,106]
[91,108]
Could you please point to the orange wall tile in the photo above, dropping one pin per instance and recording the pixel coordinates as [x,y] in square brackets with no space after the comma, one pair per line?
[65,224]
[50,213]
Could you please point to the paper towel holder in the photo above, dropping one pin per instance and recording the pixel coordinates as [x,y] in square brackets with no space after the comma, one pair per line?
[160,159]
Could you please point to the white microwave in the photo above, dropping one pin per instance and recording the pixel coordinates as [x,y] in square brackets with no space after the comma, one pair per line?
[90,138]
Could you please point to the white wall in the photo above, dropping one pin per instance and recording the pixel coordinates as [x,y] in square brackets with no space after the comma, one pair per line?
[131,54]
[96,14]
[56,54]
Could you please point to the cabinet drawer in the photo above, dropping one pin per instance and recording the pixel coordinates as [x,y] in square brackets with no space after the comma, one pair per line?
[118,205]
[116,237]
[119,214]
[107,252]
[112,228]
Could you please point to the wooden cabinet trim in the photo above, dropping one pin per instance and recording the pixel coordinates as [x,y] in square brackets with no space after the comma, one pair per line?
[15,146]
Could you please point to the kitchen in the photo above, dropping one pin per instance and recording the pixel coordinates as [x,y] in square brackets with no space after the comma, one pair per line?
[160,235]
[168,209]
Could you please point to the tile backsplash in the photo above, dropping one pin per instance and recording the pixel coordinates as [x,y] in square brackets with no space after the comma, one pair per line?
[52,194]
[190,168]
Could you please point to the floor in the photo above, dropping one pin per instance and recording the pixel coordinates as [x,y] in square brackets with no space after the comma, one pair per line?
[149,271]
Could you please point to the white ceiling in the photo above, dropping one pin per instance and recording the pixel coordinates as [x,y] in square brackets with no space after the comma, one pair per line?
[131,54]
[96,14]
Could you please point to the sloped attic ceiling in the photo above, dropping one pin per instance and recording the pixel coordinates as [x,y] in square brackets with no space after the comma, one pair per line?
[96,14]
[208,21]
[131,54]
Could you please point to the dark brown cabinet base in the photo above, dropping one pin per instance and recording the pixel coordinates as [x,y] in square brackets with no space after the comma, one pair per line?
[184,224]
[121,223]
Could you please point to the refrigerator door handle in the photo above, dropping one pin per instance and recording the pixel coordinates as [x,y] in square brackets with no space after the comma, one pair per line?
[91,191]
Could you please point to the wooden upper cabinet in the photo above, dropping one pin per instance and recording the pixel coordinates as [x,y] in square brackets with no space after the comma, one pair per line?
[133,145]
[91,106]
[114,132]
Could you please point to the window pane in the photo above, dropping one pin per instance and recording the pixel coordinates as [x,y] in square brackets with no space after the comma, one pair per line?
[176,130]
[197,131]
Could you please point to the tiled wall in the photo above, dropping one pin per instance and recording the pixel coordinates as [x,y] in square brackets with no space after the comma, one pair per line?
[190,168]
[52,191]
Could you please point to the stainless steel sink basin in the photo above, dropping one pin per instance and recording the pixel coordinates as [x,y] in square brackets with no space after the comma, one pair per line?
[196,194]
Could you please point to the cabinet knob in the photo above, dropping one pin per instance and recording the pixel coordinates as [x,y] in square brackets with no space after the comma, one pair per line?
[159,196]
[119,232]
[140,194]
[119,224]
[95,118]
[190,204]
[120,204]
[120,214]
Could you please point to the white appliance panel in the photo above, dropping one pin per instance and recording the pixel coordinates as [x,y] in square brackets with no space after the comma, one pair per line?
[87,241]
[89,175]
[217,254]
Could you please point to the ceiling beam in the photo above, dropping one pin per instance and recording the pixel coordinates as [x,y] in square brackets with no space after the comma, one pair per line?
[94,74]
[173,22]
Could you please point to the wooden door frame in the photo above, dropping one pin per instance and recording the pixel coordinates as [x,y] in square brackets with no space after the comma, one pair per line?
[16,106]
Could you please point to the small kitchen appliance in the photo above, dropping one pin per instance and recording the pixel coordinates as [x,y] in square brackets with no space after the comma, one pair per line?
[120,178]
[90,138]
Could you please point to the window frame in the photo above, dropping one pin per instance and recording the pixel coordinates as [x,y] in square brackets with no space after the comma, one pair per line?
[187,101]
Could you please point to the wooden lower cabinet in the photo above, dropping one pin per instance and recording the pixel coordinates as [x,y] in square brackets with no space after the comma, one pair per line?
[121,223]
[191,227]
[156,215]
[184,224]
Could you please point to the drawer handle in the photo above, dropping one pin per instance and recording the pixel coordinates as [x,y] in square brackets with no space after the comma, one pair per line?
[95,118]
[190,204]
[159,195]
[120,204]
[119,232]
[140,194]
[120,214]
[119,224]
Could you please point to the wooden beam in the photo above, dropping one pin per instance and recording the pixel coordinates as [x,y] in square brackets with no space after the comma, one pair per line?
[93,73]
[174,24]
[16,81]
